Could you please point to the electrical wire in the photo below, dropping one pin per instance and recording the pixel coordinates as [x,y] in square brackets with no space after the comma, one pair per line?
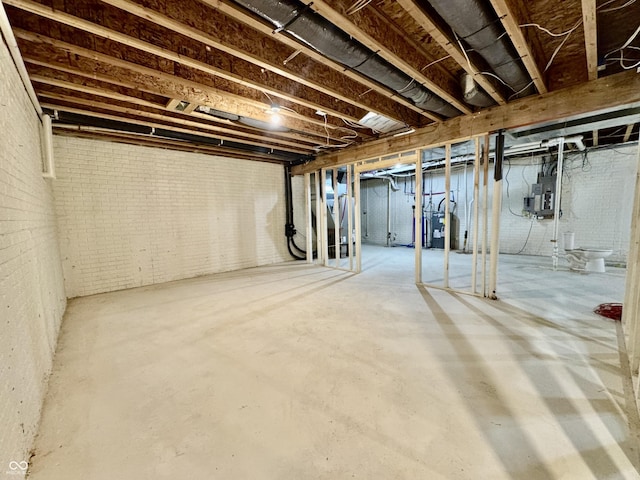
[506,180]
[613,9]
[527,239]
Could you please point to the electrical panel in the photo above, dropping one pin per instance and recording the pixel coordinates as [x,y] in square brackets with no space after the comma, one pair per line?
[541,203]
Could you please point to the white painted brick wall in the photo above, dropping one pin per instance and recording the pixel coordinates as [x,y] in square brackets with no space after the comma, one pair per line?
[32,298]
[596,204]
[131,215]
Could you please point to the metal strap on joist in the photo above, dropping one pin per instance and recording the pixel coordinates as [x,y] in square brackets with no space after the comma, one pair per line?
[295,17]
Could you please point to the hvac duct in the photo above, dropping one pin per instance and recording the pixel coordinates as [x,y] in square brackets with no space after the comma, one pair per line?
[476,24]
[298,20]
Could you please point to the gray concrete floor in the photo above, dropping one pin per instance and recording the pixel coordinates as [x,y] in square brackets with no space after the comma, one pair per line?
[295,371]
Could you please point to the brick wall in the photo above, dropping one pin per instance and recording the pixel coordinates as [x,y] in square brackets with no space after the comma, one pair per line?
[32,298]
[597,196]
[131,216]
[596,205]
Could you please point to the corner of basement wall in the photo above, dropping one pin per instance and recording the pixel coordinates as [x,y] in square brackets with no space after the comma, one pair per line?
[32,296]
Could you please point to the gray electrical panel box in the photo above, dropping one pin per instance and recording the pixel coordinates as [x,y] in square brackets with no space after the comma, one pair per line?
[541,203]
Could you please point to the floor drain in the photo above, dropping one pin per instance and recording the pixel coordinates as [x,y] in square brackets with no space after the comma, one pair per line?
[610,310]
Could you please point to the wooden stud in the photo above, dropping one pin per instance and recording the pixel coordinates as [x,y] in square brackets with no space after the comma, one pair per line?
[631,306]
[447,213]
[336,216]
[485,213]
[307,212]
[171,104]
[350,216]
[627,133]
[418,222]
[476,207]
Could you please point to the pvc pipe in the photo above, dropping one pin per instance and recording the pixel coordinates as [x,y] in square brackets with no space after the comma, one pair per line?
[418,219]
[47,147]
[447,213]
[556,200]
[476,188]
[14,51]
[389,214]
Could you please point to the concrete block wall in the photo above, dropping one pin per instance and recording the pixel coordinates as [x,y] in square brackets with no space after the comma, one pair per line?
[32,299]
[130,215]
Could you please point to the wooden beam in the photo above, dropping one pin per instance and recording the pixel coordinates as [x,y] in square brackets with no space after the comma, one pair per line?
[371,29]
[131,75]
[90,87]
[590,37]
[250,77]
[594,135]
[511,21]
[266,52]
[441,36]
[87,107]
[607,92]
[241,15]
[627,133]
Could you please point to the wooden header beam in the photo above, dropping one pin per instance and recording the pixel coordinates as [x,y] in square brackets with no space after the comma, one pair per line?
[613,91]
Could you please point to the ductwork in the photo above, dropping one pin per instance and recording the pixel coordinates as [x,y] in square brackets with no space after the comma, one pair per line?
[298,20]
[475,22]
[472,93]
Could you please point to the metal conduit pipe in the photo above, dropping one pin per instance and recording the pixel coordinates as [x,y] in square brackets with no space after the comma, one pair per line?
[299,21]
[475,22]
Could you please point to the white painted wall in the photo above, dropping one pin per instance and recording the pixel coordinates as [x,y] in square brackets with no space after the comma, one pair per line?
[131,215]
[32,298]
[596,204]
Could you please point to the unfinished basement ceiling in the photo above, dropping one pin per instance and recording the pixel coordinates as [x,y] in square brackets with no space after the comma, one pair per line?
[288,80]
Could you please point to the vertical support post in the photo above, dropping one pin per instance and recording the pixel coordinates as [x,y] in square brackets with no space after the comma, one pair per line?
[319,232]
[476,188]
[389,213]
[307,212]
[631,309]
[417,241]
[495,214]
[350,217]
[358,218]
[447,212]
[325,233]
[336,216]
[556,201]
[485,211]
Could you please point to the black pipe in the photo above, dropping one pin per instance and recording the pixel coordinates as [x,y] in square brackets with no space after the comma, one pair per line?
[497,166]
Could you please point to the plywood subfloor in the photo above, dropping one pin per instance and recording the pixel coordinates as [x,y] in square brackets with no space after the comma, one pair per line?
[299,372]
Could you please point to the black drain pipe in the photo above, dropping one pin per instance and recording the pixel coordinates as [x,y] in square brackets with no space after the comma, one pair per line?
[289,227]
